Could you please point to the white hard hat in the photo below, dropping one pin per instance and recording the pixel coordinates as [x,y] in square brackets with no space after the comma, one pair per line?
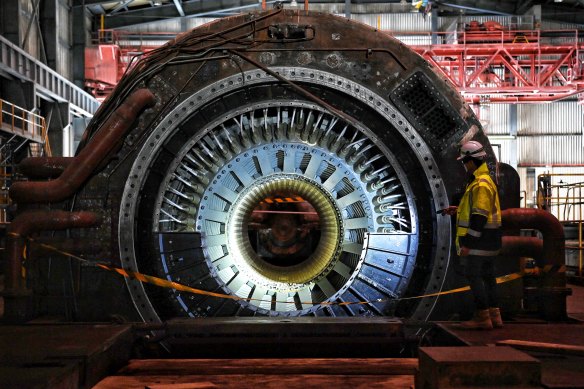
[472,149]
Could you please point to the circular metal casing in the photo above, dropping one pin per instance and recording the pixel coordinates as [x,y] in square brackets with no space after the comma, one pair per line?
[249,107]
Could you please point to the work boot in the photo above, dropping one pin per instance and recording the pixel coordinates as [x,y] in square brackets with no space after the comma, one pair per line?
[495,314]
[480,321]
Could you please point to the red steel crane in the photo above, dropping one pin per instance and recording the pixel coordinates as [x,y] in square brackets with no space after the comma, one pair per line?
[486,63]
[503,66]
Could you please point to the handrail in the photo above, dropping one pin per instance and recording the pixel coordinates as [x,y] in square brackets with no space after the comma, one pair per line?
[22,122]
[566,201]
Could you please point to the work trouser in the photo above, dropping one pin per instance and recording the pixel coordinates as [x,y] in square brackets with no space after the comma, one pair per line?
[480,272]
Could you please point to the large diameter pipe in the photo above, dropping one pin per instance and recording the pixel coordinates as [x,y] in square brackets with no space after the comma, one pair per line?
[31,222]
[76,173]
[523,246]
[44,167]
[546,223]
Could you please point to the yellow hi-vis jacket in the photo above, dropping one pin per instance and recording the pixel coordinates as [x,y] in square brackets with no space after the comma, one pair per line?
[481,197]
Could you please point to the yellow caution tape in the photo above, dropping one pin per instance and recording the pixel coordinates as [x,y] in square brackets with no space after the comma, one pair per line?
[271,200]
[164,283]
[23,268]
[183,288]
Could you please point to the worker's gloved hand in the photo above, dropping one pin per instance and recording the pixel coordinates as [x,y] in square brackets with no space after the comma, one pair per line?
[451,210]
[464,251]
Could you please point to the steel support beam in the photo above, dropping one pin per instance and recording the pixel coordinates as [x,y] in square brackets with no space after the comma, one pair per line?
[518,68]
[9,20]
[18,63]
[49,19]
[179,7]
[190,8]
[81,34]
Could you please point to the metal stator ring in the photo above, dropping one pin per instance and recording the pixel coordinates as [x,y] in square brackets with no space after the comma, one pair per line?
[249,161]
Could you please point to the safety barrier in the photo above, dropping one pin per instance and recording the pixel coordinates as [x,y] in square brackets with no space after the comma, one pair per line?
[19,121]
[563,196]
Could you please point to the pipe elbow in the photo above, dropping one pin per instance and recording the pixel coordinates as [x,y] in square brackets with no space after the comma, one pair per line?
[553,247]
[81,167]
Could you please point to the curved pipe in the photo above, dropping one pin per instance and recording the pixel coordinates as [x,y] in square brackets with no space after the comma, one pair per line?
[44,167]
[523,246]
[546,223]
[36,221]
[104,141]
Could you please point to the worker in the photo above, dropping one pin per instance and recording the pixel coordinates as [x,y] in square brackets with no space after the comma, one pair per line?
[478,236]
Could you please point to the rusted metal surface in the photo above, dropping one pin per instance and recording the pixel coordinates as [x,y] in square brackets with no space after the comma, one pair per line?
[36,221]
[75,174]
[59,356]
[523,246]
[66,245]
[44,167]
[559,370]
[266,373]
[547,224]
[459,367]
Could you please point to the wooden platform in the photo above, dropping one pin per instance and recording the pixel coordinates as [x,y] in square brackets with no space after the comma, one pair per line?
[61,356]
[476,367]
[264,373]
[559,369]
[276,337]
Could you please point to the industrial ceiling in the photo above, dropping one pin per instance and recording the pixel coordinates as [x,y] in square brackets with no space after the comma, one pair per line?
[130,12]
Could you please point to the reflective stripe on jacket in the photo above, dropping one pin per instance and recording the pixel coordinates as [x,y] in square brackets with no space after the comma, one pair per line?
[480,198]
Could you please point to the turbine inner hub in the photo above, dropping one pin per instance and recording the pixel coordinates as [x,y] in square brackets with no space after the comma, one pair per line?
[286,229]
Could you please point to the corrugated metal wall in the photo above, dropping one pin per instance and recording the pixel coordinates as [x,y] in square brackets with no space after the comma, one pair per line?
[64,39]
[168,25]
[495,118]
[414,39]
[369,8]
[403,22]
[551,25]
[547,134]
[547,119]
[176,25]
[196,22]
[550,150]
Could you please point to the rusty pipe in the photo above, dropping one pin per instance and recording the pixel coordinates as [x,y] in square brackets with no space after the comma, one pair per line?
[553,252]
[523,246]
[89,158]
[44,167]
[35,221]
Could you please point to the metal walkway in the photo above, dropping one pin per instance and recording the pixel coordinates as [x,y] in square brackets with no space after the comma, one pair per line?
[22,65]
